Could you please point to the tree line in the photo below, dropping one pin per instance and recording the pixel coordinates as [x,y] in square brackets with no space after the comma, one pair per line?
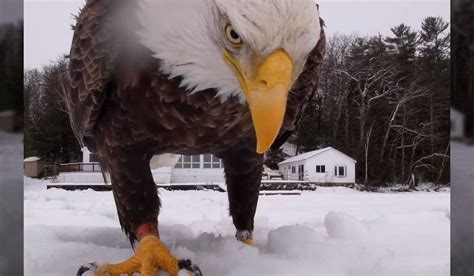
[48,132]
[385,102]
[382,100]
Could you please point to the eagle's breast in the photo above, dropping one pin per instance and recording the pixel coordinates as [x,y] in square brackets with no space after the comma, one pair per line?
[148,107]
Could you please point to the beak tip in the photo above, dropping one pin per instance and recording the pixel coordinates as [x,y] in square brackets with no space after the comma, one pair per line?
[262,149]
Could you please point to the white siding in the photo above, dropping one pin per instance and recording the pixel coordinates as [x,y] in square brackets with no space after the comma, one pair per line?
[162,175]
[197,175]
[331,159]
[80,178]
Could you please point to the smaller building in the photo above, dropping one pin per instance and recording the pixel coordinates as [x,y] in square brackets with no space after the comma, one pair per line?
[326,166]
[33,167]
[457,124]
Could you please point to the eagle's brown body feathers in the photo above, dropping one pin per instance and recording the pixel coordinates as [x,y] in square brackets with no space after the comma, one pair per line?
[125,109]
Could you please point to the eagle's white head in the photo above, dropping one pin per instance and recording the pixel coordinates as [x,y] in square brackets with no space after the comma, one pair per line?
[252,49]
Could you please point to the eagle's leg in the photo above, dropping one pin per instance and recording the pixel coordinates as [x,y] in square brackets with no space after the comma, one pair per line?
[138,204]
[243,172]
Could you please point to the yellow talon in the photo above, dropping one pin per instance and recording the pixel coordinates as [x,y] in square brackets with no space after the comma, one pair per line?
[249,242]
[151,255]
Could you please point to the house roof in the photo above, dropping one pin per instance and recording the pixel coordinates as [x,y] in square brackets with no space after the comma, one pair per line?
[310,154]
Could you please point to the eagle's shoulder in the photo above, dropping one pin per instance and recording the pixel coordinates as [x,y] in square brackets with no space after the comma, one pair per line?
[97,42]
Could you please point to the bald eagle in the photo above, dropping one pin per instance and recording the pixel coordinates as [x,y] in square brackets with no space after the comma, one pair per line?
[154,77]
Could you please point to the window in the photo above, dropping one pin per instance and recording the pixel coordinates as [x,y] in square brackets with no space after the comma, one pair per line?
[340,171]
[293,169]
[188,162]
[207,161]
[196,161]
[320,168]
[212,162]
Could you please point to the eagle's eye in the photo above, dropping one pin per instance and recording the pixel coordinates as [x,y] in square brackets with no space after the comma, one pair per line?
[232,36]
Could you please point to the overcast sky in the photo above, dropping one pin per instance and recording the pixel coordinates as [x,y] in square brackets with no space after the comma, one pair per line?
[48,34]
[11,10]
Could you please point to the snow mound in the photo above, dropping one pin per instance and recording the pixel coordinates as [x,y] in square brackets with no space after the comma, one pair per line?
[343,226]
[293,240]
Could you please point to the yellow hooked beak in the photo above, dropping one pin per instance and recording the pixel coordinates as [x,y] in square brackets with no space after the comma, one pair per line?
[267,93]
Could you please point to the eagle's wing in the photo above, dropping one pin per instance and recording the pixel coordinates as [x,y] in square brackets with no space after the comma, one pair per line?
[91,64]
[303,90]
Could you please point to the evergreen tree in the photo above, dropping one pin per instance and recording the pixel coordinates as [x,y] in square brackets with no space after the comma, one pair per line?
[49,134]
[307,135]
[273,157]
[434,66]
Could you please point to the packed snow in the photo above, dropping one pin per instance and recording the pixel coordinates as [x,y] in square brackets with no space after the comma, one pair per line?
[11,207]
[332,231]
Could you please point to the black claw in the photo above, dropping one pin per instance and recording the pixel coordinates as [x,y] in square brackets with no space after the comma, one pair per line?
[86,268]
[187,264]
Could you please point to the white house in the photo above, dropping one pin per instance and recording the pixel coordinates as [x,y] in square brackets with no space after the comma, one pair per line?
[204,168]
[457,124]
[326,166]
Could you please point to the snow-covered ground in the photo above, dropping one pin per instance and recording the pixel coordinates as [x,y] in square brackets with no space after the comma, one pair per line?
[11,207]
[333,231]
